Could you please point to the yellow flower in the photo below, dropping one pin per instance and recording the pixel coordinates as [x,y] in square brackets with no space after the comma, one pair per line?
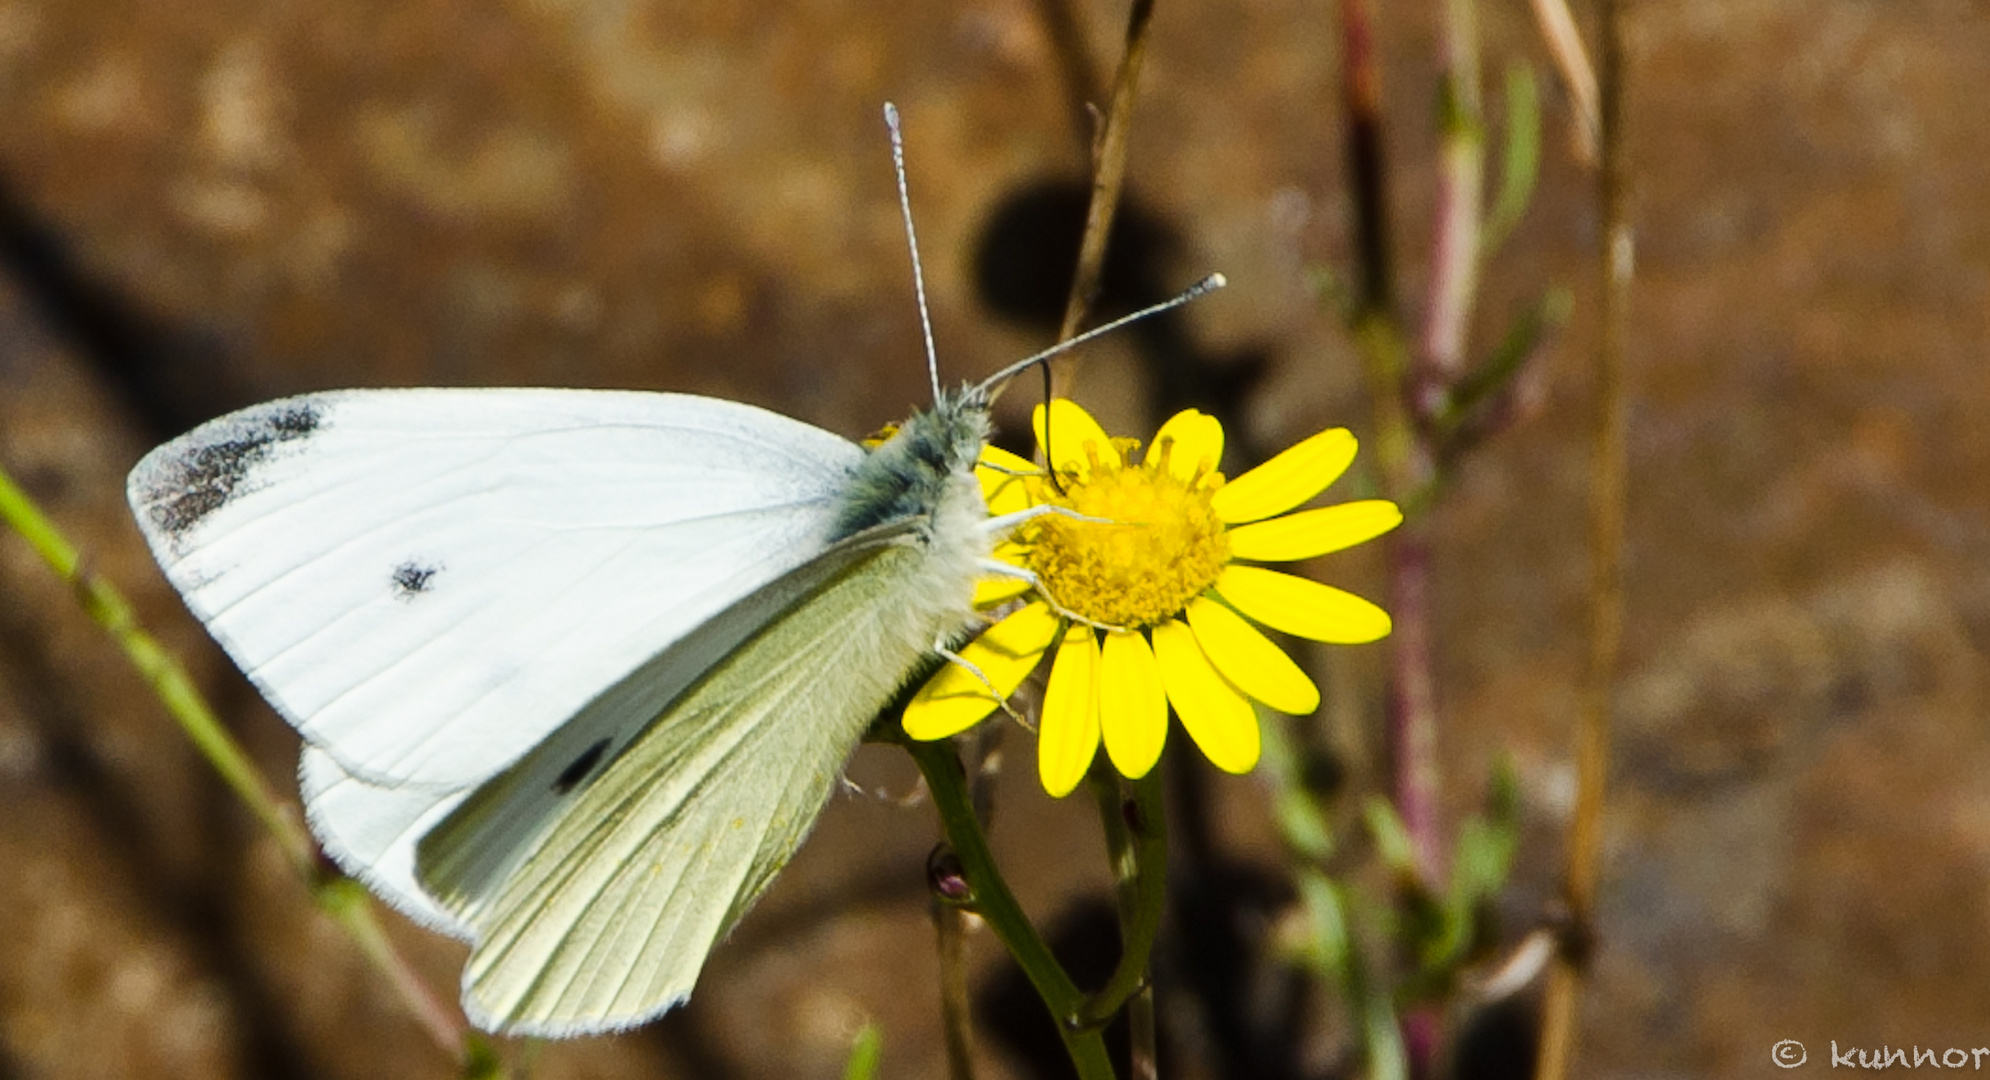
[1143,592]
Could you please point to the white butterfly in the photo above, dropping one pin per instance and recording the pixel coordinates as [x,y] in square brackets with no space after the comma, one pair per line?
[576,670]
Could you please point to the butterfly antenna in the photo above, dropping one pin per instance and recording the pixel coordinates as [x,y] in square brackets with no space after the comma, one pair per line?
[912,242]
[1207,285]
[1050,459]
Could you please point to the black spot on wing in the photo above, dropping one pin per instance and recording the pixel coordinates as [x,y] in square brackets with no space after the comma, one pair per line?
[202,479]
[579,769]
[412,578]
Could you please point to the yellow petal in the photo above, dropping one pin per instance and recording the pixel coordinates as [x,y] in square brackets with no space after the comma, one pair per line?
[1068,735]
[1072,429]
[1215,715]
[1298,606]
[1192,442]
[954,700]
[1299,473]
[995,591]
[1133,709]
[1250,660]
[1310,533]
[1001,474]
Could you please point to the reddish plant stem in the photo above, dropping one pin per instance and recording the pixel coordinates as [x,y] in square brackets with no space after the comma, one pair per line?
[1405,460]
[1454,275]
[1413,698]
[1362,90]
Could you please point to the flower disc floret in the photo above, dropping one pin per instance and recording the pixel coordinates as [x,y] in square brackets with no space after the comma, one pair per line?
[1147,544]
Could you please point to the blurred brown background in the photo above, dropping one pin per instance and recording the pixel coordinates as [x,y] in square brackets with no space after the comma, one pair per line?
[207,205]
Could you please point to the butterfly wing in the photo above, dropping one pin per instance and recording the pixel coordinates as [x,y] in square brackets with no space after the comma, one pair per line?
[607,919]
[512,813]
[427,583]
[370,831]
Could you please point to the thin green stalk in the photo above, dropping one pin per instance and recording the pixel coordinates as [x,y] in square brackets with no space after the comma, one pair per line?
[989,897]
[108,608]
[1136,830]
[345,900]
[1137,843]
[175,690]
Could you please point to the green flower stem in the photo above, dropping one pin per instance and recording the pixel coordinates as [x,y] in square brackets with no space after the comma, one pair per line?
[1136,831]
[169,681]
[991,899]
[1137,843]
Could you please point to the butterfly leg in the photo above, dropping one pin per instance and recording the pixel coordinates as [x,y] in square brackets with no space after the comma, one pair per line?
[1002,523]
[998,568]
[940,649]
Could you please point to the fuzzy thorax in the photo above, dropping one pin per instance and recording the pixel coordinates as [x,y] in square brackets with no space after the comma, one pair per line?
[926,465]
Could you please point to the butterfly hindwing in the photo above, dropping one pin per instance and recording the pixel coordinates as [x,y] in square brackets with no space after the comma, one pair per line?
[370,831]
[608,920]
[507,819]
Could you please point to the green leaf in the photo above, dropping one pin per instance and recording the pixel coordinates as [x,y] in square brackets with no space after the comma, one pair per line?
[1486,845]
[1392,840]
[1483,383]
[1326,920]
[1301,823]
[866,1050]
[1521,164]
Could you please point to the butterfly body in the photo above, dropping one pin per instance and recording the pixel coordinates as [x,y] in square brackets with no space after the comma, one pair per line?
[576,670]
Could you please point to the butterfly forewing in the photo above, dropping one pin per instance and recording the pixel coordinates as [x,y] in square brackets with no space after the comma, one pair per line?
[428,582]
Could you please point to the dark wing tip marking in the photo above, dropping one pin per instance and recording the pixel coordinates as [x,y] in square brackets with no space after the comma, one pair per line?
[186,487]
[580,768]
[413,577]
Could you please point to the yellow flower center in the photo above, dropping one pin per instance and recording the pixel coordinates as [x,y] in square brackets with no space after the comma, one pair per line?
[1158,544]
